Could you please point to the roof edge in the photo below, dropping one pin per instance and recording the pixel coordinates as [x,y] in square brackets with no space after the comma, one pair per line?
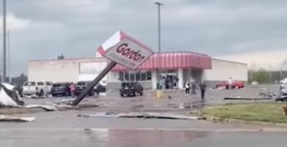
[230,61]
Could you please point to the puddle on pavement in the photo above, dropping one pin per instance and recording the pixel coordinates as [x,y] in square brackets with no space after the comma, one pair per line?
[141,138]
[137,138]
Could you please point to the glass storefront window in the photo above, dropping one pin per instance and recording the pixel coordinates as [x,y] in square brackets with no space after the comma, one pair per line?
[132,77]
[143,76]
[149,75]
[135,76]
[127,77]
[138,76]
[121,76]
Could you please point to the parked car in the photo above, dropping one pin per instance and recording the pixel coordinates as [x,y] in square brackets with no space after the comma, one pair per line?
[131,89]
[100,89]
[61,89]
[80,86]
[234,84]
[40,88]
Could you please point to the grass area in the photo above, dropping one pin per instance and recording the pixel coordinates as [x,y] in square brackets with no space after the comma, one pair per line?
[265,112]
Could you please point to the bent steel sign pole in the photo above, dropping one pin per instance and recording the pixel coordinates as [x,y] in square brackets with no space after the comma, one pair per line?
[119,49]
[94,83]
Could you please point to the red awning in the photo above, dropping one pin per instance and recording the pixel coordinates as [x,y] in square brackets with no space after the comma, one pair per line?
[173,60]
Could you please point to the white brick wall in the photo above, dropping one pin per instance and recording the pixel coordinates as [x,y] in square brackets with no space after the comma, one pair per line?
[56,70]
[222,70]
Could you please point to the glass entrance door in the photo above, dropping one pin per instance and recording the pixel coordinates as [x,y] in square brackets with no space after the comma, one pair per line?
[168,79]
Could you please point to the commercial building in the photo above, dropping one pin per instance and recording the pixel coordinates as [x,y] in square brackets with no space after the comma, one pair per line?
[174,67]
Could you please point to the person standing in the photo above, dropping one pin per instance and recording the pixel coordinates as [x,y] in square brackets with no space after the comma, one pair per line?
[72,89]
[229,83]
[202,90]
[187,87]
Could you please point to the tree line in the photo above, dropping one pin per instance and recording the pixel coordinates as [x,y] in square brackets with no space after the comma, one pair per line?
[263,76]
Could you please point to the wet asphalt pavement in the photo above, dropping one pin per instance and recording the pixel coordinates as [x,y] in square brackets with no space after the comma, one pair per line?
[65,128]
[140,138]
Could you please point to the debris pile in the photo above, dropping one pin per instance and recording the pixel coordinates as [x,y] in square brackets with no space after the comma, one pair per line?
[9,96]
[5,118]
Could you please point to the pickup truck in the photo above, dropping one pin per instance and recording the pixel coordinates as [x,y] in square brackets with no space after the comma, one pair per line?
[40,88]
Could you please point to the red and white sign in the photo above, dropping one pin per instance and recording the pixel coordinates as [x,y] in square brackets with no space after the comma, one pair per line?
[125,50]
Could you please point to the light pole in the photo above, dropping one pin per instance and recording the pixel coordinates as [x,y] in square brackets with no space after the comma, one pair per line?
[9,56]
[4,42]
[159,38]
[159,25]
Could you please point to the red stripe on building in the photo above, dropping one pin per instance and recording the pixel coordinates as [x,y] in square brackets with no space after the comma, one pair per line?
[173,60]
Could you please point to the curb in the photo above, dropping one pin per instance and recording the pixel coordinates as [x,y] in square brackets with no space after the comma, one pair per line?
[237,121]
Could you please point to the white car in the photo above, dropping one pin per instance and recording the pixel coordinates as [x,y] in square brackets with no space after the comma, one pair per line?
[42,88]
[283,81]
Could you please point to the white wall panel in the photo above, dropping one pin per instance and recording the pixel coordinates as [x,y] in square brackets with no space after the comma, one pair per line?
[89,70]
[222,70]
[53,71]
[62,70]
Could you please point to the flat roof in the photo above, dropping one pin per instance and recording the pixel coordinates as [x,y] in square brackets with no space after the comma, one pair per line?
[67,59]
[229,61]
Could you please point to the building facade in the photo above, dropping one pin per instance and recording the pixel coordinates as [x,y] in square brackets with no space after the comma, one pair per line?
[171,69]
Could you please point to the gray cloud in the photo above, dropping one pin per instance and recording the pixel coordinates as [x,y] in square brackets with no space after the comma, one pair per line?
[215,27]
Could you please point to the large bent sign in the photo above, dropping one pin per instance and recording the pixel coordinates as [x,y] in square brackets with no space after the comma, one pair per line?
[121,49]
[125,50]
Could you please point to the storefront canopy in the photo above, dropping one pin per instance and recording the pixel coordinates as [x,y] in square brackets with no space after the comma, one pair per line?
[173,60]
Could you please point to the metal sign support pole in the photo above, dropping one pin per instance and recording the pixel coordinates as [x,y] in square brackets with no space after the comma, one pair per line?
[94,83]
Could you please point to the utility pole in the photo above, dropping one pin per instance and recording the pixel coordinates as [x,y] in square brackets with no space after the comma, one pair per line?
[159,26]
[4,42]
[159,38]
[9,56]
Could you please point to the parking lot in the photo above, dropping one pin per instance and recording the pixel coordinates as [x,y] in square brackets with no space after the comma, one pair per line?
[170,101]
[65,128]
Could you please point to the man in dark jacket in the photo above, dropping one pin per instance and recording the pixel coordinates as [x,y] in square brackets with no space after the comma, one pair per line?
[202,89]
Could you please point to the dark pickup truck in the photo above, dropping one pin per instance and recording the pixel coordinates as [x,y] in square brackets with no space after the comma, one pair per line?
[80,86]
[131,89]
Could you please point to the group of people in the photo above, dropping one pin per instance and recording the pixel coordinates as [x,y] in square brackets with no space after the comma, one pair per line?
[191,86]
[168,82]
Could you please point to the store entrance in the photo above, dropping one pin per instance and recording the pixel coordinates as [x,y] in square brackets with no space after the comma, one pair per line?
[169,79]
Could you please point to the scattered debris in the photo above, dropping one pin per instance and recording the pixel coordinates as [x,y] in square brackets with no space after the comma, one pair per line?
[66,101]
[16,119]
[9,96]
[248,99]
[103,94]
[34,96]
[141,115]
[45,107]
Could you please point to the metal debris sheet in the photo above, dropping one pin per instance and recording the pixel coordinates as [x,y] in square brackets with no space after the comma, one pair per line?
[141,115]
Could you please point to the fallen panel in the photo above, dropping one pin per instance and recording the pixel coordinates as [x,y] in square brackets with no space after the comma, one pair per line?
[100,115]
[45,107]
[142,115]
[248,99]
[5,118]
[158,116]
[9,96]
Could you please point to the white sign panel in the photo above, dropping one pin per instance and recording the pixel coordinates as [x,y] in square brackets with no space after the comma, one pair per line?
[125,50]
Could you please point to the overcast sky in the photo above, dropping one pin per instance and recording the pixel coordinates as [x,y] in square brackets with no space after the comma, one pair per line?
[241,30]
